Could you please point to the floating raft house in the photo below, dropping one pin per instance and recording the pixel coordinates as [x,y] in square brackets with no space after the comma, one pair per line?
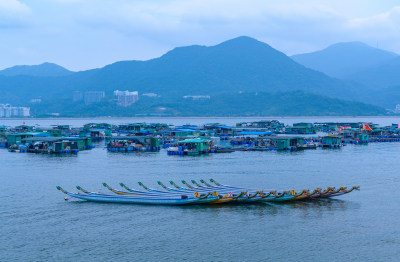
[192,147]
[331,141]
[56,144]
[301,128]
[132,143]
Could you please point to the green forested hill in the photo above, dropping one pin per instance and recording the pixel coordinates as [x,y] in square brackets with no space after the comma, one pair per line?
[296,103]
[239,65]
[344,59]
[45,69]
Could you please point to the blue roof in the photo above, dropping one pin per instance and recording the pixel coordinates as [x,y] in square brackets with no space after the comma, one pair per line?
[255,133]
[222,127]
[194,140]
[184,130]
[187,127]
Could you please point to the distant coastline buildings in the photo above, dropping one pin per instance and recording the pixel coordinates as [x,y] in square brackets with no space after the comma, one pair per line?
[93,97]
[150,95]
[121,98]
[197,97]
[7,110]
[77,96]
[397,109]
[88,97]
[35,101]
[126,98]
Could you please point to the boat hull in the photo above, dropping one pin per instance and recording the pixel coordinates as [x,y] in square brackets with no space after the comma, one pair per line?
[139,200]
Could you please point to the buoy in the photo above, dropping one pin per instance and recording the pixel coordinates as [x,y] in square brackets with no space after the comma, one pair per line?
[66,198]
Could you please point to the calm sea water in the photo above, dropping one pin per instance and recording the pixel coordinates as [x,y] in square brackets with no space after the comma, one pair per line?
[38,225]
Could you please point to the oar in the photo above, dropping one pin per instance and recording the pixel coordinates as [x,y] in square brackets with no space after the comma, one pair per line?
[148,193]
[153,190]
[191,189]
[117,191]
[197,184]
[92,193]
[228,188]
[186,184]
[83,190]
[163,186]
[198,189]
[127,188]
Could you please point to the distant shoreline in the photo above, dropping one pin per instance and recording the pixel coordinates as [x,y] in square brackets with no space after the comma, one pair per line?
[194,117]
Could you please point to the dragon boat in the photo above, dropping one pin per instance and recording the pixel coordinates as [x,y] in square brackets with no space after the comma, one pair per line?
[271,196]
[222,198]
[249,194]
[142,199]
[304,194]
[204,193]
[225,195]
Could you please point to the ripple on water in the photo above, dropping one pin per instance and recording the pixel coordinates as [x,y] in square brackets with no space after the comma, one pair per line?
[37,224]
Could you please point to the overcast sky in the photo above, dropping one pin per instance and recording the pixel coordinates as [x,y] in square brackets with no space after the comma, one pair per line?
[84,34]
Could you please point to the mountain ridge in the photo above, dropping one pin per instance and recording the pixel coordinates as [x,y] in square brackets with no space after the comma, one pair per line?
[343,59]
[42,70]
[242,64]
[381,76]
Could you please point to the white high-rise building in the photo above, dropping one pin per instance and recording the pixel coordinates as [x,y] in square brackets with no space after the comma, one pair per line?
[7,110]
[397,109]
[126,98]
[93,97]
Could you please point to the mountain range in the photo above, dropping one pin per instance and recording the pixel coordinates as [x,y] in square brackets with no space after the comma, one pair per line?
[239,66]
[342,60]
[44,70]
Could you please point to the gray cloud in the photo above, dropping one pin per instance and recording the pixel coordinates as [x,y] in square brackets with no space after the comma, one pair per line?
[93,33]
[14,14]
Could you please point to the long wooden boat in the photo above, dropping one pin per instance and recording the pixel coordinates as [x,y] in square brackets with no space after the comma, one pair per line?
[221,190]
[152,191]
[137,193]
[317,193]
[272,196]
[203,197]
[341,191]
[246,196]
[304,194]
[204,193]
[146,200]
[237,195]
[224,197]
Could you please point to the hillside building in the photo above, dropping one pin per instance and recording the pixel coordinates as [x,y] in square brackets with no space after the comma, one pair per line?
[77,96]
[93,96]
[35,101]
[7,110]
[126,98]
[397,109]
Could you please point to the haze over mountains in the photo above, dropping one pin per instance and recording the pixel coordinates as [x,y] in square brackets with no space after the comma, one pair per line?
[342,60]
[235,70]
[380,76]
[45,69]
